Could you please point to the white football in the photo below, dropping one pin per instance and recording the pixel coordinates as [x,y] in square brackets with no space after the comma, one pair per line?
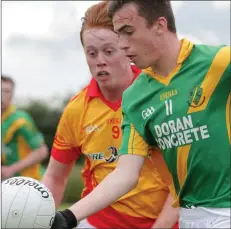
[26,203]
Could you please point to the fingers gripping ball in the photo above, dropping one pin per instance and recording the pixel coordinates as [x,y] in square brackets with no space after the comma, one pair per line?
[26,203]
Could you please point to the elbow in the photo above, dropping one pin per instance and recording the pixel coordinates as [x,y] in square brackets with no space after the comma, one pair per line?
[57,172]
[43,152]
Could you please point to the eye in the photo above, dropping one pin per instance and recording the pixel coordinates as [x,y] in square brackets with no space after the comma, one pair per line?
[91,53]
[109,51]
[129,32]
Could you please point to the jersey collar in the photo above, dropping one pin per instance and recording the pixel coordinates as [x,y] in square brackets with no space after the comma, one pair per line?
[9,110]
[186,48]
[93,90]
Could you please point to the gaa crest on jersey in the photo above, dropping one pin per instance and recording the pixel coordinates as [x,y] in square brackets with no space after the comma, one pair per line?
[196,97]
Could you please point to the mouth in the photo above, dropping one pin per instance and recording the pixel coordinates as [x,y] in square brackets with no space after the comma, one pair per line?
[103,75]
[131,57]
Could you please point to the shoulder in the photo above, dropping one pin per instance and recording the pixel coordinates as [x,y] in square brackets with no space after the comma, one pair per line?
[215,58]
[21,116]
[20,119]
[137,87]
[76,105]
[209,52]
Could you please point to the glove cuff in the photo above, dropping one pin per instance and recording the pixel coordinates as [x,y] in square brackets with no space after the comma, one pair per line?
[70,217]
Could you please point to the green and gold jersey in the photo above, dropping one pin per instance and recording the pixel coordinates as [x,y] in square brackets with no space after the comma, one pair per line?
[187,115]
[19,137]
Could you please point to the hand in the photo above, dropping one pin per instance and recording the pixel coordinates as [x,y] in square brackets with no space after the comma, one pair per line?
[64,220]
[7,172]
[60,222]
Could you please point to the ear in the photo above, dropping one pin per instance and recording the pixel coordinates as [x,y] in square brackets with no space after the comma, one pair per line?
[161,26]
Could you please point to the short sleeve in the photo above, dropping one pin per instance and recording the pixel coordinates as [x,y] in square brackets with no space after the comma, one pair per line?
[30,134]
[64,149]
[132,142]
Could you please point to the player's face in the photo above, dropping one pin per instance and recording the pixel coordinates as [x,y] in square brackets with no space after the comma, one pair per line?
[107,62]
[140,42]
[7,93]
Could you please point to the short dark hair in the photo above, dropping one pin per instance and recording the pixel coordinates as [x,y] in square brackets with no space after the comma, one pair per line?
[151,10]
[8,79]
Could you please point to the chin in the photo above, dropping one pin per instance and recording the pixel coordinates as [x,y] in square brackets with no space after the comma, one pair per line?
[141,65]
[104,84]
[3,108]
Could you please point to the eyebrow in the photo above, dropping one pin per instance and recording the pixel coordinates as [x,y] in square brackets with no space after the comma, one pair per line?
[90,47]
[107,44]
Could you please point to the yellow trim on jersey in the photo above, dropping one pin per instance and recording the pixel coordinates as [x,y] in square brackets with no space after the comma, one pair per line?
[162,79]
[131,140]
[185,51]
[14,127]
[176,202]
[172,190]
[228,116]
[136,144]
[3,158]
[7,112]
[182,160]
[212,78]
[24,151]
[182,169]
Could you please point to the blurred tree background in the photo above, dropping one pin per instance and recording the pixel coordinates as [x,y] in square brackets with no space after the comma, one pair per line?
[47,118]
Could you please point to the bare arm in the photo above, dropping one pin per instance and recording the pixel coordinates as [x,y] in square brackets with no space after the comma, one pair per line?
[34,157]
[168,216]
[55,179]
[122,180]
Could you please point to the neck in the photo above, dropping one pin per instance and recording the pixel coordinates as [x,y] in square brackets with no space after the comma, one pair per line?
[4,109]
[169,56]
[114,94]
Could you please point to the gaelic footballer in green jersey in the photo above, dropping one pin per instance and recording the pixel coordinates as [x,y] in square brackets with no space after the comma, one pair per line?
[19,138]
[23,146]
[187,115]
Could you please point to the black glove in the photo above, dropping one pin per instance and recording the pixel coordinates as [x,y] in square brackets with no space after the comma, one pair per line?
[64,220]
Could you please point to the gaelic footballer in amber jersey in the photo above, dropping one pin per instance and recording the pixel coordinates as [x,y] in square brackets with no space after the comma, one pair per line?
[90,125]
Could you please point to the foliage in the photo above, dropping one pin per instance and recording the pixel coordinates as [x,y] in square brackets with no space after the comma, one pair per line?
[46,119]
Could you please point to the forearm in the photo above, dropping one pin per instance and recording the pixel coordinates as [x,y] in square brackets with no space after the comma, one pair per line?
[168,216]
[56,185]
[114,186]
[34,157]
[56,177]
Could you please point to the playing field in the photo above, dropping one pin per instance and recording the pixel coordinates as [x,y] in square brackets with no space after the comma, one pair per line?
[64,206]
[74,188]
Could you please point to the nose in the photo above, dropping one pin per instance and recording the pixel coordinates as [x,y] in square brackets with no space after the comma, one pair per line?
[123,43]
[101,60]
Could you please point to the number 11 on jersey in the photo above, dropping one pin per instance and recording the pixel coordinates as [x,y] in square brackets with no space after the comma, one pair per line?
[168,106]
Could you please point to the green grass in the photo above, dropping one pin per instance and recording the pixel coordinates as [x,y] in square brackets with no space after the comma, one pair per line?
[64,206]
[74,188]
